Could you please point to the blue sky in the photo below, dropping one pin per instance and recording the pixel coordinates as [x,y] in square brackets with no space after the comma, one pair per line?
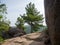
[17,7]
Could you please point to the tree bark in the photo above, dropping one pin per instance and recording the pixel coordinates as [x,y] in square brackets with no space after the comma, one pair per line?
[52,14]
[31,27]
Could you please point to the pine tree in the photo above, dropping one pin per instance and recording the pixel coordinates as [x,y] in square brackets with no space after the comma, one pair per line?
[20,23]
[33,17]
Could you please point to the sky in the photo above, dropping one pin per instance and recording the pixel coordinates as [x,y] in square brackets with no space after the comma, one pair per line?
[17,7]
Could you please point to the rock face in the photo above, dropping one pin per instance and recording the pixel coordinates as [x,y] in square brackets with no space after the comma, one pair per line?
[52,13]
[13,32]
[37,38]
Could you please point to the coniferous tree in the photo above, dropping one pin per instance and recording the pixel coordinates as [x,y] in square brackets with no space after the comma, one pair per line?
[33,17]
[20,23]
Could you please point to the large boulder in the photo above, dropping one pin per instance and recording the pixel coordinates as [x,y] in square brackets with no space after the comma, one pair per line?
[12,32]
[5,35]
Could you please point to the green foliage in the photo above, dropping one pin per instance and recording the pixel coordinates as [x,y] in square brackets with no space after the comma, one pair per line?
[3,8]
[1,17]
[1,39]
[33,17]
[20,23]
[4,24]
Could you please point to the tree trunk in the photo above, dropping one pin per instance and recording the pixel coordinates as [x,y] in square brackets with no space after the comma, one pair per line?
[31,27]
[52,13]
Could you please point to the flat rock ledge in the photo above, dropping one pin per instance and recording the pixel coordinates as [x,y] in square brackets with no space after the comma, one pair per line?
[29,39]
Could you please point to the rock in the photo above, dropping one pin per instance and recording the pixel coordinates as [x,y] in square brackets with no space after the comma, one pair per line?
[5,35]
[12,32]
[15,32]
[29,39]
